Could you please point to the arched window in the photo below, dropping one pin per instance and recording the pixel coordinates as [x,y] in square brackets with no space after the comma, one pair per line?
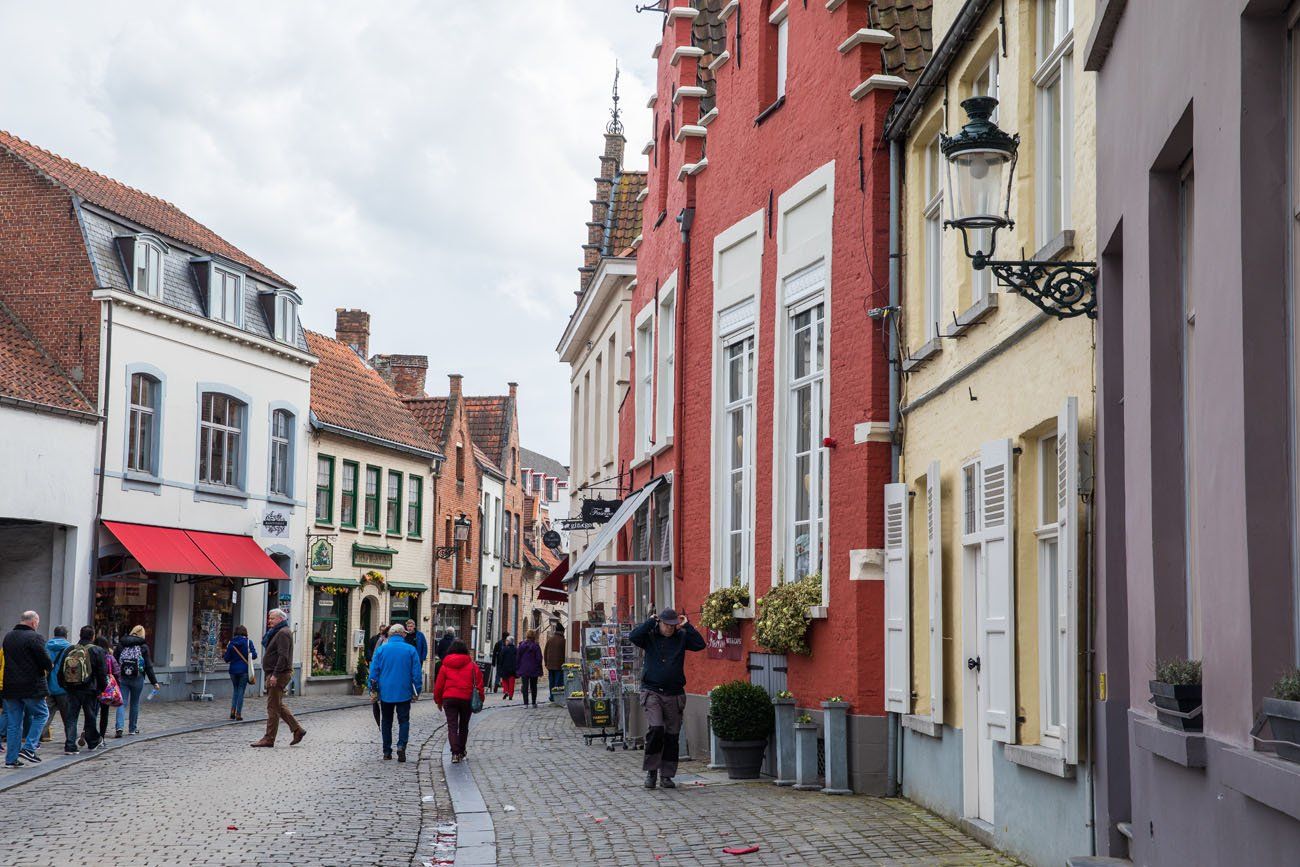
[282,453]
[221,440]
[147,279]
[142,430]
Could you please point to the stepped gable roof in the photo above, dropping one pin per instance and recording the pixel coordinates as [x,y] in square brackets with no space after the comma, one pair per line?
[489,419]
[486,462]
[431,413]
[909,20]
[348,393]
[623,220]
[28,373]
[136,206]
[540,462]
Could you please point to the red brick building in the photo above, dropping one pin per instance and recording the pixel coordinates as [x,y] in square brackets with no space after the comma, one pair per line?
[759,386]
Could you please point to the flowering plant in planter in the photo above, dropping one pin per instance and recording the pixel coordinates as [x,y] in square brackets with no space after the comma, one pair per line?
[782,622]
[1176,693]
[784,693]
[1283,712]
[803,719]
[719,610]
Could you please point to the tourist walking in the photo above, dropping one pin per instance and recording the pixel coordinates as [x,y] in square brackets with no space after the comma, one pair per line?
[239,654]
[417,639]
[26,667]
[396,674]
[507,662]
[529,665]
[665,640]
[111,697]
[555,655]
[277,665]
[496,660]
[57,697]
[459,679]
[84,674]
[137,664]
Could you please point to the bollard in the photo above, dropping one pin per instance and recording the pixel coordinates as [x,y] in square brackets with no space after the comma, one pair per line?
[805,762]
[836,715]
[785,762]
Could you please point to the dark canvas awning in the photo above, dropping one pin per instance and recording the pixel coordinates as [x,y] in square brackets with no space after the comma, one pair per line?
[552,587]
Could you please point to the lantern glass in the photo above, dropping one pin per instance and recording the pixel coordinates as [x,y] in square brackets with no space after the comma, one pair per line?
[976,186]
[462,528]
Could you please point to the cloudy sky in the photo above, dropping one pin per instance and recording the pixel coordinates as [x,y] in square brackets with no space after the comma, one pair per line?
[430,162]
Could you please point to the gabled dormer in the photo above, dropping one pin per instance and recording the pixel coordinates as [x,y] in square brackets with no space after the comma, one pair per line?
[280,307]
[143,257]
[221,286]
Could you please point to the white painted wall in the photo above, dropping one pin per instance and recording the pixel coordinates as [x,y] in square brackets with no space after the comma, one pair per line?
[492,495]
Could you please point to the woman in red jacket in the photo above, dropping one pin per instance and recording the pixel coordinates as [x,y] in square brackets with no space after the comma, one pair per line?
[458,679]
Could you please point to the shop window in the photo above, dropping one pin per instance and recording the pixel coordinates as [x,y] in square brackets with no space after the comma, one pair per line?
[329,653]
[120,606]
[404,607]
[216,596]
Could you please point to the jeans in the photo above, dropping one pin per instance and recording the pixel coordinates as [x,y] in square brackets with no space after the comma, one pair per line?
[530,687]
[458,713]
[87,703]
[17,711]
[68,714]
[557,681]
[131,689]
[238,685]
[34,717]
[403,709]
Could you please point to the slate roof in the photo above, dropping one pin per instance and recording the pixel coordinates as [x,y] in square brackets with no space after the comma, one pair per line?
[28,373]
[348,393]
[431,413]
[623,218]
[139,207]
[710,33]
[909,20]
[540,462]
[489,419]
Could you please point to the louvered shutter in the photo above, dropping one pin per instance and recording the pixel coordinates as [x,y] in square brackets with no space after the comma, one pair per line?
[934,547]
[898,615]
[998,625]
[1067,573]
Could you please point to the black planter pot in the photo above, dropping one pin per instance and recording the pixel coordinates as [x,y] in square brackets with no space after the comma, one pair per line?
[1183,698]
[1284,722]
[744,758]
[578,712]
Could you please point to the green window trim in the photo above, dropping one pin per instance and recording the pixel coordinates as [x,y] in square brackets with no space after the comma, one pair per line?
[393,505]
[328,519]
[415,497]
[372,499]
[348,518]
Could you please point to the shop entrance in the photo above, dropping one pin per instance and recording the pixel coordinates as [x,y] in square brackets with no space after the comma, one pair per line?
[330,621]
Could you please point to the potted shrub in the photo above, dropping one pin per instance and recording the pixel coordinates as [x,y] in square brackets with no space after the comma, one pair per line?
[782,622]
[1176,692]
[361,676]
[740,714]
[719,610]
[1283,711]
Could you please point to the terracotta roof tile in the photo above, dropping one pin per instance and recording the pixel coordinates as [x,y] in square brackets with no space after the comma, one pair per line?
[139,207]
[909,21]
[347,393]
[623,223]
[28,373]
[487,418]
[431,413]
[486,462]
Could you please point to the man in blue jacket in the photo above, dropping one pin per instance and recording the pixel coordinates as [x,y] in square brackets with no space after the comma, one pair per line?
[58,697]
[395,679]
[665,640]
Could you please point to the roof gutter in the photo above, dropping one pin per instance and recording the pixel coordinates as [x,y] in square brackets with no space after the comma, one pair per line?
[935,73]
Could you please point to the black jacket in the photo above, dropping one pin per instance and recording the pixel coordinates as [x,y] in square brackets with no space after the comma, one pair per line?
[663,670]
[146,661]
[507,660]
[444,644]
[27,664]
[98,672]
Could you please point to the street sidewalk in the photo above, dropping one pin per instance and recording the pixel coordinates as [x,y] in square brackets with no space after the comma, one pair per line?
[164,719]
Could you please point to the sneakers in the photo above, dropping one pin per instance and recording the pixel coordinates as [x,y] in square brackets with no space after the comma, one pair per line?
[70,752]
[119,734]
[667,783]
[297,737]
[455,760]
[401,754]
[15,765]
[30,755]
[134,731]
[651,779]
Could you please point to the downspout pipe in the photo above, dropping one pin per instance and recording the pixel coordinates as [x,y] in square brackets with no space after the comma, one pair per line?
[687,220]
[894,740]
[103,456]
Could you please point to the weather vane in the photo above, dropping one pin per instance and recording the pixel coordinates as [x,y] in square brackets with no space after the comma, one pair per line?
[615,126]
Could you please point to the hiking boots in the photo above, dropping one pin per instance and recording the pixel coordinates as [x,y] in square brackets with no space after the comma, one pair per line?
[651,779]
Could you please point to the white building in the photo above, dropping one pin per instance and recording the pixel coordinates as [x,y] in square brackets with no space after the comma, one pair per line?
[492,494]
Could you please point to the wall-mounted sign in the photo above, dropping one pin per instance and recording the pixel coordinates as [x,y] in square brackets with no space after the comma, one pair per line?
[552,539]
[599,511]
[372,558]
[321,555]
[724,645]
[275,523]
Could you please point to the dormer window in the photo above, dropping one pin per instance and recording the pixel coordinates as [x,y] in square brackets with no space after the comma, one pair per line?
[148,261]
[286,319]
[226,296]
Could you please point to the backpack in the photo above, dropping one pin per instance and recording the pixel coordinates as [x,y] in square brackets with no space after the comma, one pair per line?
[75,670]
[131,659]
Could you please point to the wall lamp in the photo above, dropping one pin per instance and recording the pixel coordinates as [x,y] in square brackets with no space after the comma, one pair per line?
[460,532]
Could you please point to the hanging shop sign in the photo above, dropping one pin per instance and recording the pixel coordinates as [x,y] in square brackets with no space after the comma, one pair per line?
[569,524]
[321,555]
[599,511]
[725,644]
[552,540]
[275,523]
[368,557]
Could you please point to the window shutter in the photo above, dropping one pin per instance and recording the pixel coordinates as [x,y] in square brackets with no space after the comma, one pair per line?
[1067,572]
[997,629]
[898,615]
[934,546]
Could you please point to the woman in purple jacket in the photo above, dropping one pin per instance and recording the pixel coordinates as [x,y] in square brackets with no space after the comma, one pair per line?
[529,666]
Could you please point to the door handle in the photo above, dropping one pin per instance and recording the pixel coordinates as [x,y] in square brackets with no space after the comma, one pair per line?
[973,663]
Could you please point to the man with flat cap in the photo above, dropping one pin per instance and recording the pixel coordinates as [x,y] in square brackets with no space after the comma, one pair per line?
[665,639]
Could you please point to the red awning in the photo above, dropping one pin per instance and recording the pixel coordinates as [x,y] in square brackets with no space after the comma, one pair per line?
[163,549]
[552,587]
[194,552]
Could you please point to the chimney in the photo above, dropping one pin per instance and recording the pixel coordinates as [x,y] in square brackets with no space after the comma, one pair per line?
[514,389]
[405,373]
[611,162]
[456,379]
[353,328]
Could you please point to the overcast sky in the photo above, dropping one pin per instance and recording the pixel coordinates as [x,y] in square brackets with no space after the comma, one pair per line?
[430,162]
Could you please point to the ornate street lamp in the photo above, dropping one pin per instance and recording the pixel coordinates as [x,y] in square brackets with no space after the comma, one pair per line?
[981,165]
[460,532]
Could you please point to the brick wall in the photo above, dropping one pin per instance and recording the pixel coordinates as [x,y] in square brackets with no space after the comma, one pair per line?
[454,497]
[512,572]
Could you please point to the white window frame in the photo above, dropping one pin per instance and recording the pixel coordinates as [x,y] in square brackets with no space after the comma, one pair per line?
[280,482]
[233,438]
[1054,129]
[985,83]
[815,381]
[1051,644]
[286,319]
[665,380]
[151,255]
[226,295]
[741,406]
[780,19]
[645,387]
[142,428]
[933,214]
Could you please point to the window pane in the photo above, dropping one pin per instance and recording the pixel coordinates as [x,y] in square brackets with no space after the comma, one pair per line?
[1052,657]
[802,346]
[803,419]
[1047,480]
[1051,145]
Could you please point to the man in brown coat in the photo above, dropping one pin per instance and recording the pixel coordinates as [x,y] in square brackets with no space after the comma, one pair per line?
[553,654]
[277,665]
